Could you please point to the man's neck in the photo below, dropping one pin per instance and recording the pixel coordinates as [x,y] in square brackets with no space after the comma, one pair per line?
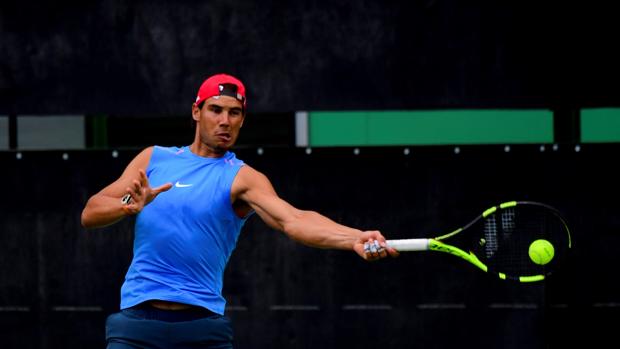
[206,151]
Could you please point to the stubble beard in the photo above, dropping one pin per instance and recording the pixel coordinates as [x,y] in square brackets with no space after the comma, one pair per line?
[215,148]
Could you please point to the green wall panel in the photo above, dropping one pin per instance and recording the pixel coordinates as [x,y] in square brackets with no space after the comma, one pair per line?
[430,127]
[600,125]
[338,128]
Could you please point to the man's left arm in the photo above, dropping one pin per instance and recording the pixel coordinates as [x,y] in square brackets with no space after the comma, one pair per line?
[307,227]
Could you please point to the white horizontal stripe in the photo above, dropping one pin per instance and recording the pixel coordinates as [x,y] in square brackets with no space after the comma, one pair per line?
[513,306]
[367,307]
[607,305]
[441,306]
[18,308]
[76,308]
[289,307]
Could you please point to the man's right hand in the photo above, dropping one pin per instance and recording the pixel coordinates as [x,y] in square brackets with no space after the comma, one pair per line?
[142,194]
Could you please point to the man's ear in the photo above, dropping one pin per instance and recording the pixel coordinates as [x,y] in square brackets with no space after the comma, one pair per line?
[195,112]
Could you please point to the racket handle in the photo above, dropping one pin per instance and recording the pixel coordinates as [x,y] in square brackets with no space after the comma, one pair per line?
[409,244]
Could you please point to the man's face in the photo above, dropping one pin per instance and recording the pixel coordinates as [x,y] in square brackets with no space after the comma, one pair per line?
[218,123]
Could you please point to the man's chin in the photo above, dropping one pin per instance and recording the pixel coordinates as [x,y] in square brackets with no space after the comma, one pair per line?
[221,149]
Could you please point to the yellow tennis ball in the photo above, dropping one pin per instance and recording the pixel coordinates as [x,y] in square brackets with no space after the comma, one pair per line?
[541,251]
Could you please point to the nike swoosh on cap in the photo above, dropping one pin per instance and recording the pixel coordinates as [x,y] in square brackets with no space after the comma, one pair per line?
[179,185]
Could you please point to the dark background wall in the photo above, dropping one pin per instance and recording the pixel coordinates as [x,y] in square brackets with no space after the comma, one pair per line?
[140,59]
[150,56]
[59,281]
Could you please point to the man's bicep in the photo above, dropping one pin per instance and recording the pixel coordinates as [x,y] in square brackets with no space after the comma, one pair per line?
[275,211]
[269,215]
[261,196]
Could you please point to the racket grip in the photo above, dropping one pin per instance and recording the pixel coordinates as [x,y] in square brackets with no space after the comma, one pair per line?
[409,244]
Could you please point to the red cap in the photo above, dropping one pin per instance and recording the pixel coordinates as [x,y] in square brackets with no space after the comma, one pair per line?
[221,85]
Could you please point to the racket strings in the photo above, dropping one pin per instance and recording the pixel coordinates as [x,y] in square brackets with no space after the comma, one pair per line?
[490,237]
[508,234]
[508,221]
[508,243]
[513,261]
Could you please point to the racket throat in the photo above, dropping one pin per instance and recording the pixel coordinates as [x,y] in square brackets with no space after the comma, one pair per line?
[439,246]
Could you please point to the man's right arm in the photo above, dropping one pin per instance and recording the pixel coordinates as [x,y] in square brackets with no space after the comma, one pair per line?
[105,207]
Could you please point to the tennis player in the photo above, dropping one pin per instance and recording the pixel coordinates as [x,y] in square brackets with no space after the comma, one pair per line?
[191,203]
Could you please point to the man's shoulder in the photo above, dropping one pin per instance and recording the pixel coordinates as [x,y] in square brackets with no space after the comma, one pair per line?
[232,159]
[167,149]
[167,152]
[246,171]
[248,179]
[250,176]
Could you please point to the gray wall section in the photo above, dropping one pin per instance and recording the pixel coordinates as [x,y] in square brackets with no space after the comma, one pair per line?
[4,132]
[50,132]
[58,282]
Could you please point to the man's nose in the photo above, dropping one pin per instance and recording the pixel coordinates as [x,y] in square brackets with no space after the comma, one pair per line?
[224,118]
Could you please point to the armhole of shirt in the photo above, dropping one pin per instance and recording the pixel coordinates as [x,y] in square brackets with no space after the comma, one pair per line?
[233,175]
[155,154]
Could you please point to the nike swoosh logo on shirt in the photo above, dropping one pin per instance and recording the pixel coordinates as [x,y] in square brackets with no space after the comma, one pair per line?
[179,185]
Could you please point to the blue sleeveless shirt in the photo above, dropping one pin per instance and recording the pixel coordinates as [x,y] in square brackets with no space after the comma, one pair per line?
[184,238]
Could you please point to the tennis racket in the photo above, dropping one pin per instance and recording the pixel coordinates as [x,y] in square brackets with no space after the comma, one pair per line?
[501,240]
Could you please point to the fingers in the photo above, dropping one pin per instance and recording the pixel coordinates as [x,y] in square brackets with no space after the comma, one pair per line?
[138,194]
[139,186]
[375,246]
[162,188]
[373,250]
[130,209]
[143,179]
[159,190]
[392,252]
[129,206]
[133,194]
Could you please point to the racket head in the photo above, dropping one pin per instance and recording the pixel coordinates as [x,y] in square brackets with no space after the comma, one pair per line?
[499,239]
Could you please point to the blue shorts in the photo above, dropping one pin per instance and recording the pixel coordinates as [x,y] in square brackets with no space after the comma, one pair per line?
[147,327]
